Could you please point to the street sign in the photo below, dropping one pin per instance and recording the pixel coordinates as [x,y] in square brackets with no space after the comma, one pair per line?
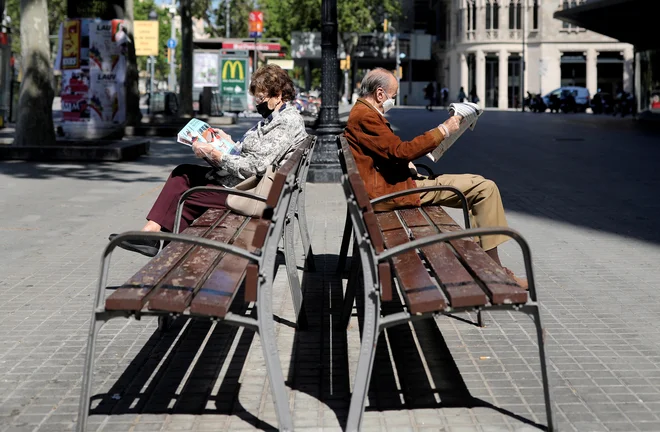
[171,43]
[146,38]
[234,77]
[256,24]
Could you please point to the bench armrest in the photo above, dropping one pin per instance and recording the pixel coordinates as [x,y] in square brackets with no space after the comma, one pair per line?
[474,232]
[459,194]
[186,194]
[425,167]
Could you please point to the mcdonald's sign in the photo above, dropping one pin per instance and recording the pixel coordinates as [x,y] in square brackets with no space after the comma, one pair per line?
[233,75]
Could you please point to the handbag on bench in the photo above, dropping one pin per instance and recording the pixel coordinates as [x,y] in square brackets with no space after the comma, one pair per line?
[258,185]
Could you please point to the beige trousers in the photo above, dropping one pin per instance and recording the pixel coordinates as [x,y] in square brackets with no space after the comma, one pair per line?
[484,202]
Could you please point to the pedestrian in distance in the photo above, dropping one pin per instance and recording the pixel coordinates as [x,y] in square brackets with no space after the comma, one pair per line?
[429,94]
[461,95]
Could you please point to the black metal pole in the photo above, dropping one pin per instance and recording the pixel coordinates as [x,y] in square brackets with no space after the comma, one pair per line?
[325,165]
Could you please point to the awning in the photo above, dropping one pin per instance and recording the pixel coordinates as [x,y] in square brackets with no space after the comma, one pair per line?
[632,21]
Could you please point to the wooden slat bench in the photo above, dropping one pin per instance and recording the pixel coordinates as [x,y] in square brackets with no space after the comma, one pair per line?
[200,272]
[438,268]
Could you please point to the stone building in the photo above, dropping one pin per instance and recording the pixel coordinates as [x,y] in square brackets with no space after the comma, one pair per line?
[484,42]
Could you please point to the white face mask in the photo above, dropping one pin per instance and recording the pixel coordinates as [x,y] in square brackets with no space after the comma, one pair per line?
[388,105]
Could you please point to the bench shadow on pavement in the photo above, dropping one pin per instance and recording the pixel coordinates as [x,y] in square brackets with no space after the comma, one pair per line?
[161,380]
[319,358]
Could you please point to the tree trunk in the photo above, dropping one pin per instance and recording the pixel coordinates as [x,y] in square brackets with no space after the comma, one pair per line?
[186,72]
[35,103]
[133,113]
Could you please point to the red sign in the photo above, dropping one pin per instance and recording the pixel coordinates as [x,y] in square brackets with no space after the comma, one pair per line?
[256,23]
[4,40]
[74,107]
[247,46]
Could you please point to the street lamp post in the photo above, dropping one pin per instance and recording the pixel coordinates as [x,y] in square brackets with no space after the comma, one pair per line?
[172,78]
[325,167]
[153,16]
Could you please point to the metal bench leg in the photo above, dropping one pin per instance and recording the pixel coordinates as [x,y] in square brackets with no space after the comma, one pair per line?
[88,373]
[292,271]
[349,297]
[480,319]
[370,332]
[536,315]
[301,215]
[266,328]
[345,243]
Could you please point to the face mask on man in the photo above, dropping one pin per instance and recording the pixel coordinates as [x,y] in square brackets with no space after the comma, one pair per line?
[388,104]
[263,109]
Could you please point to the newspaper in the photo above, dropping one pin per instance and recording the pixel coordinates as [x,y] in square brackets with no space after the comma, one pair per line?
[470,113]
[197,130]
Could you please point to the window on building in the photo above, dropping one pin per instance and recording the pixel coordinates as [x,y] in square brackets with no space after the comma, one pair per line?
[469,17]
[492,14]
[515,15]
[535,15]
[489,15]
[474,16]
[512,15]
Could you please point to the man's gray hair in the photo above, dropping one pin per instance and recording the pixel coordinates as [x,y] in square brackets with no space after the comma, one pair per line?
[373,80]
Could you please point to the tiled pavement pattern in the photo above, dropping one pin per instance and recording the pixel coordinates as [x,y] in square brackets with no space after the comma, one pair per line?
[580,188]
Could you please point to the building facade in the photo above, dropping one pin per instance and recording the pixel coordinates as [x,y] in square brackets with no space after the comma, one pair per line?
[486,41]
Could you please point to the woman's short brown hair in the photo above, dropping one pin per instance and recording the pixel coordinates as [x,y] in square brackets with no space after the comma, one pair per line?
[271,80]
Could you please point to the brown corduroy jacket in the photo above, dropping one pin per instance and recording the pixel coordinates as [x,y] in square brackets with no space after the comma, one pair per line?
[382,157]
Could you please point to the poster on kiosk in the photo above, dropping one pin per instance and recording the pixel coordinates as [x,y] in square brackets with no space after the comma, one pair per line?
[92,58]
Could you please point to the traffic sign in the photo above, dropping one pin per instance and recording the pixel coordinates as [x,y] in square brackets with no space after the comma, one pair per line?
[171,43]
[256,24]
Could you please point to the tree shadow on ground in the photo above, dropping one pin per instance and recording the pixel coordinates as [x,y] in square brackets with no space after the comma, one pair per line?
[164,153]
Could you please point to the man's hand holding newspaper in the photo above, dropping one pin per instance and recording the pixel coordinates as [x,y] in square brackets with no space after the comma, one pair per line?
[464,115]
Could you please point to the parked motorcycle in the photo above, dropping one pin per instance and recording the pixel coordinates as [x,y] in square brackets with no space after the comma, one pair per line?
[536,103]
[624,104]
[602,103]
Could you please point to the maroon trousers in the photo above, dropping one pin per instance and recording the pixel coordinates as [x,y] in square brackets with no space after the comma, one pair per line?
[185,177]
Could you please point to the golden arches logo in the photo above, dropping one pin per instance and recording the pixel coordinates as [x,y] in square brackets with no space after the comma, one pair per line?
[233,66]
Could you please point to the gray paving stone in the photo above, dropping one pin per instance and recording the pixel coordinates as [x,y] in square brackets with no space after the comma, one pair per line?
[595,248]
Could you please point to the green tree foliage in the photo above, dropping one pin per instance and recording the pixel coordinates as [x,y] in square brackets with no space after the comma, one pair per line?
[353,16]
[142,10]
[56,14]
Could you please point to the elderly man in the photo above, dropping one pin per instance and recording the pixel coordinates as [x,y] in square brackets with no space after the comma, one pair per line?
[385,162]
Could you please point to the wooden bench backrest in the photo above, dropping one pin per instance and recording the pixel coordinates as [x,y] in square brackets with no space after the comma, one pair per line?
[290,168]
[359,191]
[285,173]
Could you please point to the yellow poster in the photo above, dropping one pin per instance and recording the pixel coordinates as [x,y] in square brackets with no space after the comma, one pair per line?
[71,45]
[146,38]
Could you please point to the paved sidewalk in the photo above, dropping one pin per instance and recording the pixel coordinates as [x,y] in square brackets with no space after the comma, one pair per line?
[595,260]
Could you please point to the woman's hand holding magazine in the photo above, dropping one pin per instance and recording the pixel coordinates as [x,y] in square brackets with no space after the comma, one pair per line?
[208,143]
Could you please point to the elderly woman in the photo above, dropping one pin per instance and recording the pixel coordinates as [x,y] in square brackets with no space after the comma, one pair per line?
[270,139]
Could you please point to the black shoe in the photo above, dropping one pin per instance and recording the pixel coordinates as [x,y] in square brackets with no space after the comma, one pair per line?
[149,248]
